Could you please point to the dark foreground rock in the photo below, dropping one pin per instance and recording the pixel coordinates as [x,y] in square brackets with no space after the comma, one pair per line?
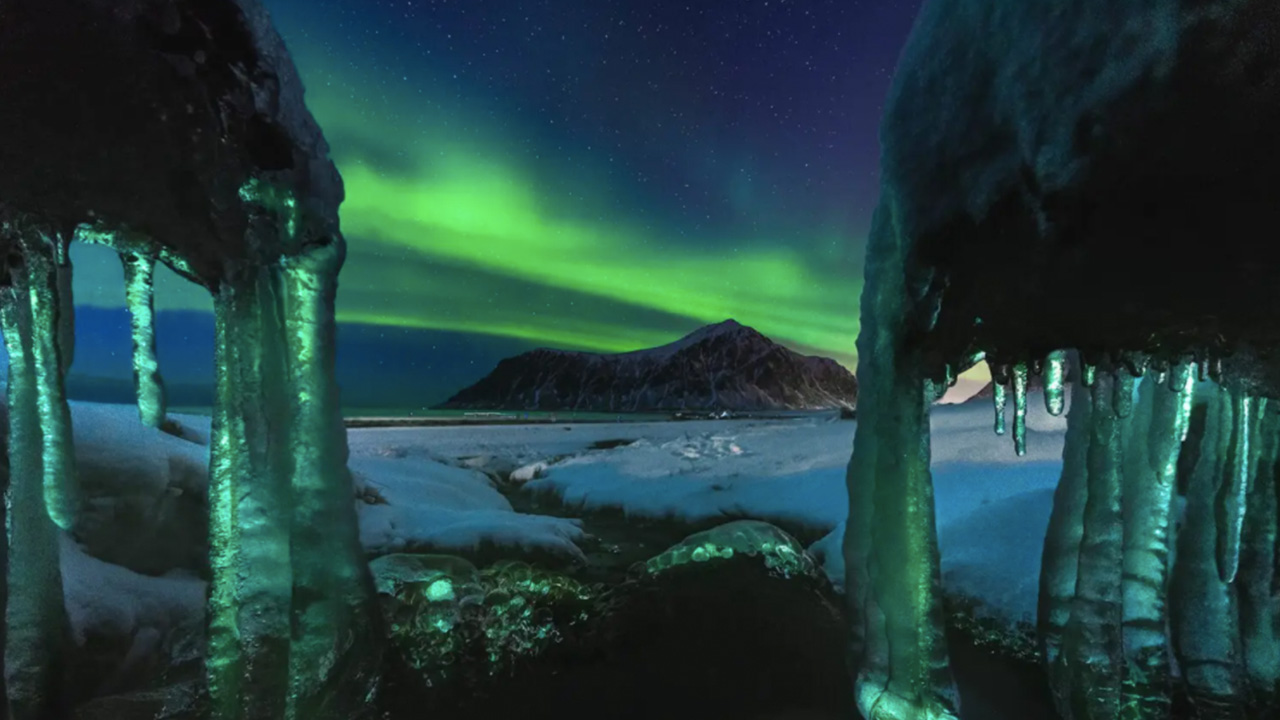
[719,626]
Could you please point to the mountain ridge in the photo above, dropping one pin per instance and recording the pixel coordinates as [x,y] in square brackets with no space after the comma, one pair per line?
[723,366]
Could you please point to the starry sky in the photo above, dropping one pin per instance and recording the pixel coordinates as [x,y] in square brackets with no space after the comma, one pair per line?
[604,175]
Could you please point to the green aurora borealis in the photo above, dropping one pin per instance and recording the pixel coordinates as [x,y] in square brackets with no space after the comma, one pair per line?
[470,211]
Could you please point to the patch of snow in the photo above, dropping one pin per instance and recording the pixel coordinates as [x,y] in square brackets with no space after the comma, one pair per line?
[431,505]
[106,599]
[525,473]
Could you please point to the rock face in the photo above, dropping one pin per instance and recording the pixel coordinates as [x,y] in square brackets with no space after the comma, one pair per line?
[726,366]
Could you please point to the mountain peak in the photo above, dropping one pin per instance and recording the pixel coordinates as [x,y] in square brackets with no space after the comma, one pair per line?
[725,365]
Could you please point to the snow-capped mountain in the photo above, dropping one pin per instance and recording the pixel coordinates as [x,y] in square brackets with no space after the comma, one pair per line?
[725,366]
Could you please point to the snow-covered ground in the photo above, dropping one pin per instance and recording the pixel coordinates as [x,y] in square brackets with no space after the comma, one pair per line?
[420,489]
[992,506]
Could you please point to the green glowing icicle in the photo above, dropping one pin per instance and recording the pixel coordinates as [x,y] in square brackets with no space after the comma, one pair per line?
[59,466]
[35,617]
[1020,408]
[251,588]
[1123,388]
[1232,496]
[1088,373]
[892,571]
[66,309]
[1092,642]
[1055,372]
[1202,608]
[1152,448]
[1257,576]
[139,271]
[999,399]
[1061,557]
[333,656]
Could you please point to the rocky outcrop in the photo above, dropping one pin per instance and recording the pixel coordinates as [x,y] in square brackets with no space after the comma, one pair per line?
[726,366]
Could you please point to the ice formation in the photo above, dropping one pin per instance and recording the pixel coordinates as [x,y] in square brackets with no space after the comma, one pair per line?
[1032,203]
[193,147]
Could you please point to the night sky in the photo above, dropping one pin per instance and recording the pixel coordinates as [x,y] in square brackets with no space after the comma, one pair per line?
[603,175]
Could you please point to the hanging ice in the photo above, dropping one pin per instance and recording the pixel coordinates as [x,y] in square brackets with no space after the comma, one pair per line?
[1020,408]
[1054,374]
[1204,623]
[249,499]
[59,467]
[1061,557]
[332,589]
[1230,504]
[998,397]
[890,545]
[1106,557]
[139,272]
[35,619]
[1257,581]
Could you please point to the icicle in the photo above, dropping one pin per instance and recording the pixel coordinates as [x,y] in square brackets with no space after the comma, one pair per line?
[890,549]
[1122,387]
[1055,366]
[1061,558]
[1201,607]
[251,589]
[1020,409]
[1093,644]
[1230,504]
[1182,379]
[1088,373]
[59,464]
[335,617]
[35,617]
[999,399]
[1153,446]
[1036,367]
[1257,576]
[66,308]
[139,271]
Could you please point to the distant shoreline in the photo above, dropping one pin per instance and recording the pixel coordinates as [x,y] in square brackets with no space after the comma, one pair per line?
[544,418]
[394,417]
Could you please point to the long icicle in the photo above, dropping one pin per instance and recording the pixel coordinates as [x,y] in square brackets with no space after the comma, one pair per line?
[1257,580]
[1000,400]
[251,588]
[334,654]
[1020,408]
[1148,493]
[1230,504]
[1054,387]
[1093,647]
[60,478]
[66,304]
[35,618]
[1202,608]
[891,553]
[1059,563]
[139,293]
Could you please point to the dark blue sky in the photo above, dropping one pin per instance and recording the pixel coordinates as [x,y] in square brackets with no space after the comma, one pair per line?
[600,175]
